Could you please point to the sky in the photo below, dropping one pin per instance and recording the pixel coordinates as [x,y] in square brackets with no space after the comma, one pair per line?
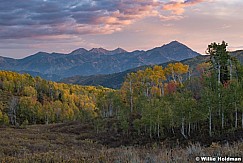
[30,26]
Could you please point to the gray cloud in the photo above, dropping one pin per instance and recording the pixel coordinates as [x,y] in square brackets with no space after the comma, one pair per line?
[34,18]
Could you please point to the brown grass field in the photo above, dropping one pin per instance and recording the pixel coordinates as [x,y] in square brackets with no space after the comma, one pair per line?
[73,142]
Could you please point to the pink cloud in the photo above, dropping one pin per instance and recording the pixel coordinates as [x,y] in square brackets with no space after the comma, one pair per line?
[178,8]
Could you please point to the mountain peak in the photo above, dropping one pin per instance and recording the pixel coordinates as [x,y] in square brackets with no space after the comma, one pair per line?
[79,51]
[175,43]
[118,51]
[99,50]
[40,52]
[175,51]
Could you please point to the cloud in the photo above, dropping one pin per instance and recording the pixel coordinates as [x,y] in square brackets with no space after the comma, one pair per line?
[178,7]
[35,18]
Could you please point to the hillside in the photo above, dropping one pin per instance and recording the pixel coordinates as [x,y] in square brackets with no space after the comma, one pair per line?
[32,100]
[115,80]
[55,66]
[238,54]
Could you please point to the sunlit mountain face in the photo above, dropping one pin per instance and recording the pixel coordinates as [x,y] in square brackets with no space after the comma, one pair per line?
[27,27]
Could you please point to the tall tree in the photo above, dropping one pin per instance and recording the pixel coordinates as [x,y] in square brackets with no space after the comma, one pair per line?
[221,60]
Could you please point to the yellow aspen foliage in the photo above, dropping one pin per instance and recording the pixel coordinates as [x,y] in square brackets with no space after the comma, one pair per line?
[29,91]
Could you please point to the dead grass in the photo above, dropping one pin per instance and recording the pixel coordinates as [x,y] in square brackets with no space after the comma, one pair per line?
[58,143]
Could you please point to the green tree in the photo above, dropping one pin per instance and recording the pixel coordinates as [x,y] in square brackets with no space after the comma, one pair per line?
[220,60]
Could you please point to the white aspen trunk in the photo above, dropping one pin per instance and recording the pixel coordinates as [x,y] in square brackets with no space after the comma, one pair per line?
[189,125]
[173,75]
[173,131]
[12,110]
[155,129]
[183,128]
[230,68]
[158,127]
[219,97]
[14,117]
[103,111]
[147,92]
[160,90]
[131,101]
[222,120]
[172,126]
[110,108]
[180,79]
[150,128]
[210,121]
[189,75]
[236,116]
[210,115]
[242,119]
[219,73]
[189,129]
[222,112]
[163,91]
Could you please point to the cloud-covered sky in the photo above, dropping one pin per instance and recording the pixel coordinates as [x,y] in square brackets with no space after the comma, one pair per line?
[30,26]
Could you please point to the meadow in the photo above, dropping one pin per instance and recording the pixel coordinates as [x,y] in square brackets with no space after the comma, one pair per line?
[76,142]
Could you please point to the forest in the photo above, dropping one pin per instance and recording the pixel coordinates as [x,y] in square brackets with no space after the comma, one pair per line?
[28,100]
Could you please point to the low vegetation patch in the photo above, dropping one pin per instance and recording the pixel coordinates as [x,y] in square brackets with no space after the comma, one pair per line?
[49,143]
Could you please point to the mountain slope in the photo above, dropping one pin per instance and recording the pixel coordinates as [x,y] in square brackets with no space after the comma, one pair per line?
[115,80]
[95,61]
[173,51]
[238,54]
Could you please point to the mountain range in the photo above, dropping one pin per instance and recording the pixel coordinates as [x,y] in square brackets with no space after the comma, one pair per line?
[97,61]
